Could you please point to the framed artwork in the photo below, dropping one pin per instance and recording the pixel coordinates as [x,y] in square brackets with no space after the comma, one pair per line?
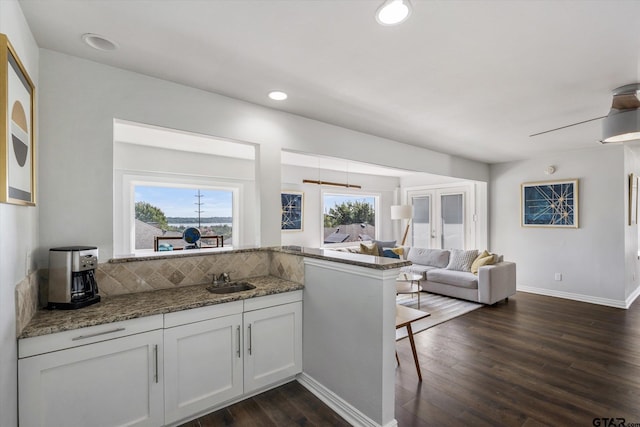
[549,204]
[292,210]
[17,148]
[633,199]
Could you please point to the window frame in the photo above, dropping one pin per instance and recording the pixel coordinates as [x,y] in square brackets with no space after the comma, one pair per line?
[347,193]
[124,206]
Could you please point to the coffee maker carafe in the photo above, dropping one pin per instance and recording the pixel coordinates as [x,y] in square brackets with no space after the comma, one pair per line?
[72,282]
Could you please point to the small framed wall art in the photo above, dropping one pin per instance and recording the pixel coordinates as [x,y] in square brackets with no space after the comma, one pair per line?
[549,204]
[292,210]
[17,148]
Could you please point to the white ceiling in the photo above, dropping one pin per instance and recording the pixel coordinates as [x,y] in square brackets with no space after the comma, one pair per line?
[471,78]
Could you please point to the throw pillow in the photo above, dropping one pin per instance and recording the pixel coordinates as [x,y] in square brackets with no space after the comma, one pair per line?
[390,253]
[398,251]
[474,265]
[461,260]
[369,250]
[381,245]
[488,260]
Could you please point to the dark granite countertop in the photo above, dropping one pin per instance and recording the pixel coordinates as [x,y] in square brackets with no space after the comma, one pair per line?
[368,261]
[131,306]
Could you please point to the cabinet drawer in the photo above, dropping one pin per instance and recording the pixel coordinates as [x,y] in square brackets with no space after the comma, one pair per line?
[68,339]
[272,300]
[203,313]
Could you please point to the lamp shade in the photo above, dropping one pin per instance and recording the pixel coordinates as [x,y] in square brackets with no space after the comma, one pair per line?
[621,126]
[401,212]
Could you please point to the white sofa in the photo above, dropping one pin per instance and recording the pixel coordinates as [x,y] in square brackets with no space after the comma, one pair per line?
[491,284]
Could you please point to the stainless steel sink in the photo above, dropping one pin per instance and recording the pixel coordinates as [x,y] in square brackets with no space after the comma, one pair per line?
[230,288]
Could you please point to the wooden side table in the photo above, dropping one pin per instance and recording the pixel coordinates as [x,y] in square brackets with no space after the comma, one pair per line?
[404,317]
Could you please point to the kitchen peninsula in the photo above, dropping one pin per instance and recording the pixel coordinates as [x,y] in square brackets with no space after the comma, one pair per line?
[342,304]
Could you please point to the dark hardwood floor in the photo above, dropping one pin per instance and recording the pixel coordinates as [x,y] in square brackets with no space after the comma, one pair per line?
[533,361]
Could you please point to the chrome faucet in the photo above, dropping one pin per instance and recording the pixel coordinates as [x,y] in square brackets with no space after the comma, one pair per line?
[224,278]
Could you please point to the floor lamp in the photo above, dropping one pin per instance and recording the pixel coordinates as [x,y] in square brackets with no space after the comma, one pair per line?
[402,212]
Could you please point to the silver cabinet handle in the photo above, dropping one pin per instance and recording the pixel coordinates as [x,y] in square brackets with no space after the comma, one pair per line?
[249,338]
[155,354]
[238,332]
[84,337]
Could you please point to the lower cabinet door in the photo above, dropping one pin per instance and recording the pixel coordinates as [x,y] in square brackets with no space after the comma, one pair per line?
[111,383]
[273,345]
[203,366]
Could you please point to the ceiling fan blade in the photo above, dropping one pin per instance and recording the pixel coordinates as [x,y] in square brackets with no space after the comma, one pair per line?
[567,126]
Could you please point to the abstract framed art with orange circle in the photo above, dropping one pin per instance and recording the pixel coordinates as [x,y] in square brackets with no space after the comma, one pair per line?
[17,148]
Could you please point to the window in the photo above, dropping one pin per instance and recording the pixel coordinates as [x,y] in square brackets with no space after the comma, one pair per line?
[349,217]
[166,211]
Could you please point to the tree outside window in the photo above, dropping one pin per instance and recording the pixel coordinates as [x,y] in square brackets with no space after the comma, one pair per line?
[349,218]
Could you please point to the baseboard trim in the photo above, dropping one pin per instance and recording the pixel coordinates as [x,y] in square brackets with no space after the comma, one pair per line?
[576,297]
[631,298]
[352,415]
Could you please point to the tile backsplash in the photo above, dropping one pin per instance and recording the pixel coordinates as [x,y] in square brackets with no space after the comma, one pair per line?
[26,295]
[147,275]
[132,276]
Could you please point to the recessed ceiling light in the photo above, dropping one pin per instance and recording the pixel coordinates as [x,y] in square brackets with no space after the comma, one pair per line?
[393,12]
[277,95]
[99,42]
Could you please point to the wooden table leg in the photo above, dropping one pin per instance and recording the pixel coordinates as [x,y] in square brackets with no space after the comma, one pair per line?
[413,350]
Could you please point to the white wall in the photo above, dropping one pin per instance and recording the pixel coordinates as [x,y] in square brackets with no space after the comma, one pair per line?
[18,229]
[80,99]
[590,258]
[292,177]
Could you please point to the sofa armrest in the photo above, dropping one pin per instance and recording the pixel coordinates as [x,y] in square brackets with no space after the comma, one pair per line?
[496,282]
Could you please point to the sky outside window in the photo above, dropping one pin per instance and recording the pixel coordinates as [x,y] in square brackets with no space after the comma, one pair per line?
[181,202]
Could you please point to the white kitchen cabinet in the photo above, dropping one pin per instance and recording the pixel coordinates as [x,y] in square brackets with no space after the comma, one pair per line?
[203,366]
[114,382]
[208,361]
[273,343]
[160,370]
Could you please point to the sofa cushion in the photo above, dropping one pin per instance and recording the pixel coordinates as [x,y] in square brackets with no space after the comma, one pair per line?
[461,260]
[384,245]
[432,257]
[417,269]
[462,279]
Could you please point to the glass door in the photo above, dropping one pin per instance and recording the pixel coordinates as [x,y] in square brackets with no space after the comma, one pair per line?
[452,221]
[421,232]
[439,218]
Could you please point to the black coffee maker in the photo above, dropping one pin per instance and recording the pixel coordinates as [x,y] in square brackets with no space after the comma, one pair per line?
[72,281]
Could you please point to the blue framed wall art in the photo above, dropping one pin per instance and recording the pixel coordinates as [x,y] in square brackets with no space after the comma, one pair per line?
[292,210]
[550,204]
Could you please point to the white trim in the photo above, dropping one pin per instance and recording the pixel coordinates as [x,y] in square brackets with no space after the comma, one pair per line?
[351,414]
[575,297]
[631,298]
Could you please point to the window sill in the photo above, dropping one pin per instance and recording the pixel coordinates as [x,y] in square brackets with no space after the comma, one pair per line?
[147,254]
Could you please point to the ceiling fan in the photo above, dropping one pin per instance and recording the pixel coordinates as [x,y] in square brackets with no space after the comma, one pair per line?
[623,121]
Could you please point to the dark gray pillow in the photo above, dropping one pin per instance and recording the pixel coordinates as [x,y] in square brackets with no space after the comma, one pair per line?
[384,245]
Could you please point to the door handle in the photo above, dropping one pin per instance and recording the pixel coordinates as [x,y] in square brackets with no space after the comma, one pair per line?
[249,338]
[97,334]
[238,332]
[155,353]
